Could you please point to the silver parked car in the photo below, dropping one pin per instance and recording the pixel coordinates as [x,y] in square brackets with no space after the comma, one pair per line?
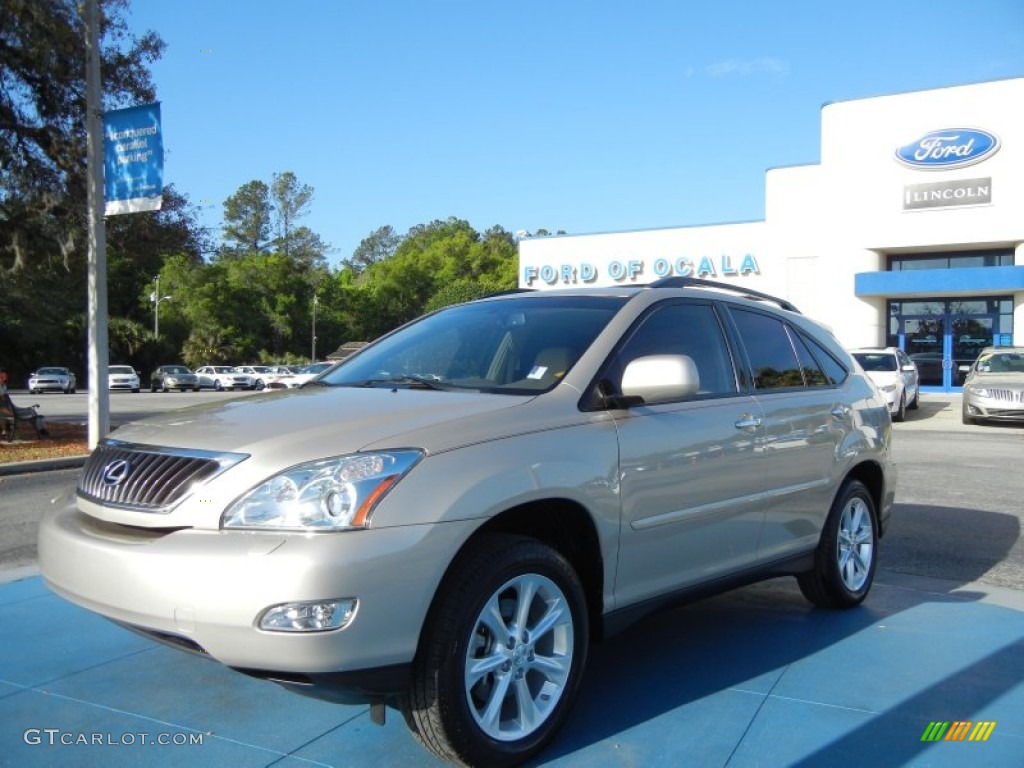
[221,377]
[895,374]
[167,378]
[52,379]
[994,387]
[446,520]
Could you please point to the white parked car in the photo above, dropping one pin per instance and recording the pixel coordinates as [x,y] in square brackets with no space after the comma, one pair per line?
[260,374]
[895,374]
[123,377]
[282,376]
[221,377]
[309,373]
[52,379]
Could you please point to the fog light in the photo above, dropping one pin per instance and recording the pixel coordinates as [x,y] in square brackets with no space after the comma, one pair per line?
[318,616]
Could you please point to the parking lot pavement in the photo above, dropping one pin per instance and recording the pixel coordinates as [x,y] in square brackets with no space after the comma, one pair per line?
[753,678]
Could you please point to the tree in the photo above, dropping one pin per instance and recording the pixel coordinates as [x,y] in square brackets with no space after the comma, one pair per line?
[375,247]
[291,202]
[430,259]
[42,119]
[43,174]
[247,218]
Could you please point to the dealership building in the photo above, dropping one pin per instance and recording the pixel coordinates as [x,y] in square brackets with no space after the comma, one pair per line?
[908,233]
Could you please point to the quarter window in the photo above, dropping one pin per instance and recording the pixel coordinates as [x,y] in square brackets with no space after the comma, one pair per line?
[835,372]
[770,351]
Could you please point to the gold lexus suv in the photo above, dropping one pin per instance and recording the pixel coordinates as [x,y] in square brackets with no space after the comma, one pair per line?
[447,520]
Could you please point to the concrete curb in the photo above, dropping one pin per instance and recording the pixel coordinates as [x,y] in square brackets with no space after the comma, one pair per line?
[42,465]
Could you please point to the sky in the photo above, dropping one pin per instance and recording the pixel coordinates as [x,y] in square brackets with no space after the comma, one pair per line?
[578,115]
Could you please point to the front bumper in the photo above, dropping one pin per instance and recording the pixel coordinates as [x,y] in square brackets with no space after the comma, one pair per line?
[210,587]
[180,384]
[49,386]
[993,409]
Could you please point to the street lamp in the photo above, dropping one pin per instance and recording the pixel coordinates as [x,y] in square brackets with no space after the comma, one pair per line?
[315,302]
[156,298]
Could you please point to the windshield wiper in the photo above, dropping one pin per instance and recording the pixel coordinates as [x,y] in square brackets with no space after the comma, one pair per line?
[411,380]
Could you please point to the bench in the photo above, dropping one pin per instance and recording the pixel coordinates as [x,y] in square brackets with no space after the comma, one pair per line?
[12,415]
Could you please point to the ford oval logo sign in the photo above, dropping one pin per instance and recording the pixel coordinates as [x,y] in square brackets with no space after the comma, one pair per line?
[948,148]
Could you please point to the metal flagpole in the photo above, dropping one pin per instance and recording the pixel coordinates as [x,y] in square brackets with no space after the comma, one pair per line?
[98,352]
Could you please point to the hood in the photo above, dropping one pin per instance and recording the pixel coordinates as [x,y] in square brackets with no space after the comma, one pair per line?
[286,427]
[997,380]
[884,378]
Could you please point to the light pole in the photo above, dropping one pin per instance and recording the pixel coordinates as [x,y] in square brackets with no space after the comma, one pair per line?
[156,298]
[315,302]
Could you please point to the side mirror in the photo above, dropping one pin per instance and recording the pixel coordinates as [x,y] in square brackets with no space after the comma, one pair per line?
[660,378]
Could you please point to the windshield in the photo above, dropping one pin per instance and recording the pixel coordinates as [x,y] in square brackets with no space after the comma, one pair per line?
[1001,362]
[52,372]
[176,369]
[515,346]
[876,362]
[121,369]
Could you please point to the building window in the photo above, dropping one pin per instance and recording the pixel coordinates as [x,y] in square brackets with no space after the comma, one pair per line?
[953,260]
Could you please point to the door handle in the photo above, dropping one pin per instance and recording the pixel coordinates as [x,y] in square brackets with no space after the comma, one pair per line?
[840,412]
[749,423]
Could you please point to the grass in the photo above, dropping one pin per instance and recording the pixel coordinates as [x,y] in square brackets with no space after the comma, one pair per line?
[64,440]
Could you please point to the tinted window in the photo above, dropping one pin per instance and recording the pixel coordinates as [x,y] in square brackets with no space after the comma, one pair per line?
[834,371]
[771,354]
[690,329]
[814,376]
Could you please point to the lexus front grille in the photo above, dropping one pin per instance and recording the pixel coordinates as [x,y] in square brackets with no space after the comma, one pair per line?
[148,478]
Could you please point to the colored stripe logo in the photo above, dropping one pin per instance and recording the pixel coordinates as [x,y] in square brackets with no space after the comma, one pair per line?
[959,730]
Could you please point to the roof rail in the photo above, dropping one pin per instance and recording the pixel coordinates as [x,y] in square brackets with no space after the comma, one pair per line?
[696,282]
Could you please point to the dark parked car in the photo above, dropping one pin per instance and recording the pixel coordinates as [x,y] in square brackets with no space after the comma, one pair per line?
[171,377]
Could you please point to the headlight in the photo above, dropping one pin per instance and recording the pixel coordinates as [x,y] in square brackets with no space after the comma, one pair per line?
[979,391]
[888,387]
[327,495]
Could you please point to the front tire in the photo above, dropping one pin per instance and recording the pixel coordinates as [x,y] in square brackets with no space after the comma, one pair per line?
[501,659]
[965,417]
[844,563]
[901,409]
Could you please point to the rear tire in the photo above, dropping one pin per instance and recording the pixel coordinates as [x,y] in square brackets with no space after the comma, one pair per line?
[844,563]
[502,655]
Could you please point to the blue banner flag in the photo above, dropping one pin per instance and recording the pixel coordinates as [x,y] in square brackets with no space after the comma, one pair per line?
[133,160]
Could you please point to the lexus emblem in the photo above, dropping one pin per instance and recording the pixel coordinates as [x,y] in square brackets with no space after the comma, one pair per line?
[115,472]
